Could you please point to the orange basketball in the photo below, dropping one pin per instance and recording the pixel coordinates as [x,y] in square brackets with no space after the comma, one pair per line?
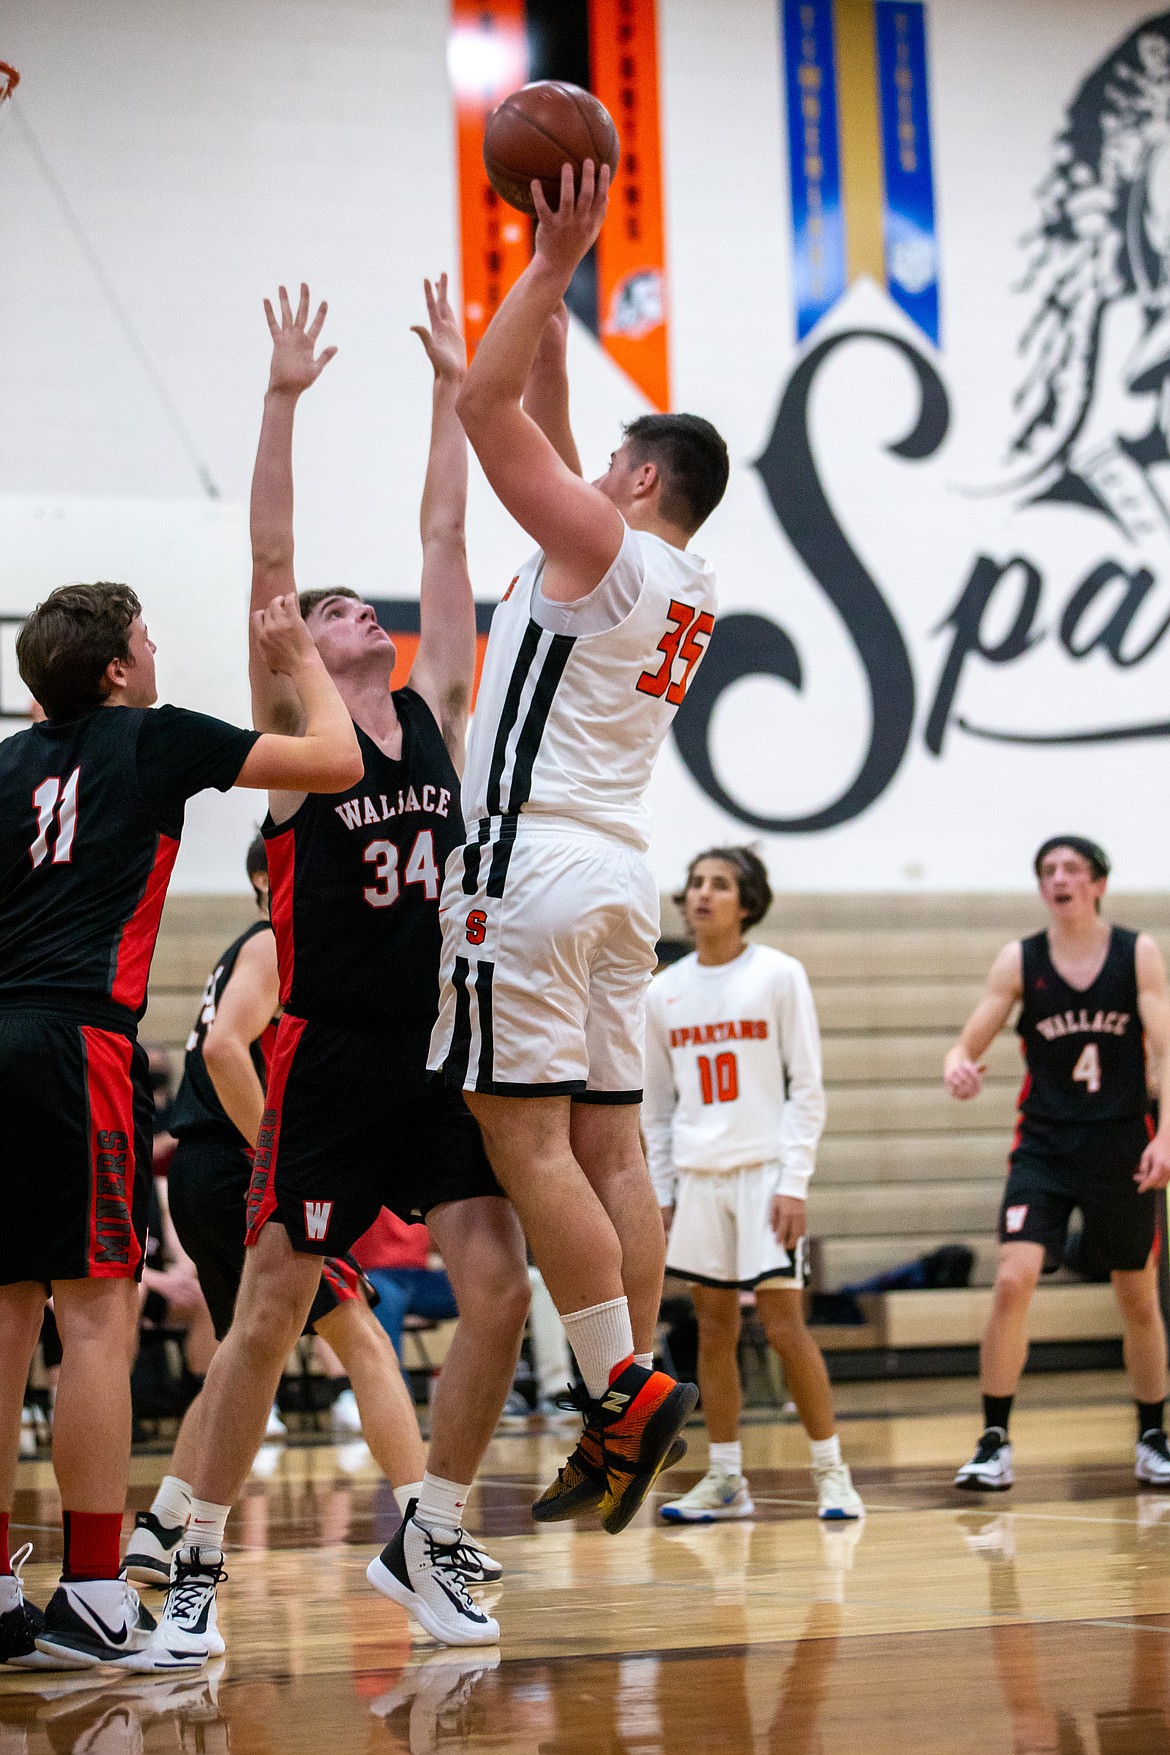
[537,130]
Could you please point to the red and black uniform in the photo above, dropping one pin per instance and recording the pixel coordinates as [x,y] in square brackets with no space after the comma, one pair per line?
[212,1168]
[354,1121]
[91,812]
[1084,1112]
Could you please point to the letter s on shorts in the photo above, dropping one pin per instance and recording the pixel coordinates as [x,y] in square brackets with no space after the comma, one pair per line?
[476,926]
[1013,1218]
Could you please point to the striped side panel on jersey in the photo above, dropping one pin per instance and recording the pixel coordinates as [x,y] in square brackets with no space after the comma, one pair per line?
[471,1062]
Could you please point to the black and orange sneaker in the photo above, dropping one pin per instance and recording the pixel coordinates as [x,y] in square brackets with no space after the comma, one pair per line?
[581,1481]
[640,1417]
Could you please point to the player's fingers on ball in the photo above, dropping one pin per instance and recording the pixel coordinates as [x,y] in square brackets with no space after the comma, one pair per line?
[588,177]
[567,199]
[543,210]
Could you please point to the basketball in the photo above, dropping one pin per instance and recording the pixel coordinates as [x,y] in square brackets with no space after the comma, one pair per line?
[537,130]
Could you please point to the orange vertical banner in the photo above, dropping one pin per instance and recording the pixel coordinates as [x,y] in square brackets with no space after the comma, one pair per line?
[487,58]
[631,251]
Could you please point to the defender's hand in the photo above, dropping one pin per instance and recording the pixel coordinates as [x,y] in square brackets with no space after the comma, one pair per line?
[445,346]
[565,237]
[963,1078]
[284,642]
[1154,1169]
[294,342]
[789,1220]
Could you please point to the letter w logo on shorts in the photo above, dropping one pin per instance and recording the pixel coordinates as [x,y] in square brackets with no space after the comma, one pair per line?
[317,1216]
[1013,1218]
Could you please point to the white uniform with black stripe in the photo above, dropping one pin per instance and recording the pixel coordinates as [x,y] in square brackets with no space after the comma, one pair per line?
[550,911]
[733,1111]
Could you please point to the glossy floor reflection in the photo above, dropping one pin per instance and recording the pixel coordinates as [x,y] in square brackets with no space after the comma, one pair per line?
[1035,1622]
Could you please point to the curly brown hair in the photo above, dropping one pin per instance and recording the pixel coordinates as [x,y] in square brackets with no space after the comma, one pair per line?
[66,644]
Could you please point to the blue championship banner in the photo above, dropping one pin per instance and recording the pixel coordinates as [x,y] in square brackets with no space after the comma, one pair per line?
[814,160]
[911,253]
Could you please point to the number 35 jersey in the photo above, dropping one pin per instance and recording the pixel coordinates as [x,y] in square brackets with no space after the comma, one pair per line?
[355,883]
[576,699]
[1084,1047]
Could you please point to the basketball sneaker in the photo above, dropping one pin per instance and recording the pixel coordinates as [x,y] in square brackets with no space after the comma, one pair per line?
[424,1573]
[20,1622]
[580,1483]
[990,1469]
[1152,1463]
[432,1707]
[150,1557]
[188,1632]
[476,1564]
[837,1498]
[96,1621]
[720,1494]
[640,1416]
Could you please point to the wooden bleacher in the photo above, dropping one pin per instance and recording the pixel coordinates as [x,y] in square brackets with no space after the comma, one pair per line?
[902,1168]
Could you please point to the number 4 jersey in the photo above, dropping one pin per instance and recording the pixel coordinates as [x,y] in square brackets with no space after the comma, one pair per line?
[1084,1047]
[355,883]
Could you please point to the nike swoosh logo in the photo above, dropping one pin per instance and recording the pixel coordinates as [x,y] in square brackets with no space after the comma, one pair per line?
[115,1638]
[455,1602]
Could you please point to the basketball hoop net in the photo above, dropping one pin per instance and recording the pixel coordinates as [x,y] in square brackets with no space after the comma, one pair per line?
[9,80]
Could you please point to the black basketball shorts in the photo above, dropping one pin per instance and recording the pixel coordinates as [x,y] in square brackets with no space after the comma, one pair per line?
[1057,1167]
[208,1186]
[76,1164]
[354,1123]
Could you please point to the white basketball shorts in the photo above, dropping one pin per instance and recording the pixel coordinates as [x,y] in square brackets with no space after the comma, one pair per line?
[549,935]
[721,1234]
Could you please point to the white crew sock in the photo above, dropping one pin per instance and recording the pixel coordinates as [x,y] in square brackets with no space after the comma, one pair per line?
[206,1524]
[601,1337]
[172,1502]
[645,1360]
[826,1452]
[728,1457]
[440,1505]
[404,1495]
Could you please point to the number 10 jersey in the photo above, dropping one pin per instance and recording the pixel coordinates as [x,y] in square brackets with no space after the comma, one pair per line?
[1084,1047]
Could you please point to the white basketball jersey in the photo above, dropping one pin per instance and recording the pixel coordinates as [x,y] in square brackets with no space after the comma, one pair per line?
[569,720]
[733,1069]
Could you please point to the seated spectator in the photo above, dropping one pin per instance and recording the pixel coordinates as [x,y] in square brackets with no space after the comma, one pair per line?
[409,1280]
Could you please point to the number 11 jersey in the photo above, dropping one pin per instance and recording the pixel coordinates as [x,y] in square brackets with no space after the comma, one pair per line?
[355,882]
[1084,1047]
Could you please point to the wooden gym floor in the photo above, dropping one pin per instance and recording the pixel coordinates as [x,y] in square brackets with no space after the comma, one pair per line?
[1033,1621]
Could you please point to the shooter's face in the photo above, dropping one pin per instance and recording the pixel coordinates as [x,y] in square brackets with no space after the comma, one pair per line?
[712,904]
[347,635]
[139,687]
[1068,888]
[628,479]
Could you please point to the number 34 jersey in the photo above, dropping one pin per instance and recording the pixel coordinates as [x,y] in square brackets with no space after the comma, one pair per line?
[1084,1047]
[576,699]
[355,883]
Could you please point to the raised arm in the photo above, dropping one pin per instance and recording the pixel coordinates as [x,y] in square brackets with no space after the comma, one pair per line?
[294,368]
[325,756]
[964,1067]
[444,669]
[1154,1008]
[244,1012]
[579,530]
[546,394]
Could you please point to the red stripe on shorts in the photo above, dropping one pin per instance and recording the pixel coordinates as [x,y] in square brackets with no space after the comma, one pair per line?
[136,946]
[282,853]
[262,1190]
[112,1249]
[341,1278]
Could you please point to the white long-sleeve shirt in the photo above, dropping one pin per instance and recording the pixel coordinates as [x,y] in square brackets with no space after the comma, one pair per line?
[733,1069]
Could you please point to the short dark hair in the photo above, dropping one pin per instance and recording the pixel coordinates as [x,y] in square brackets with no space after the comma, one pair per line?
[256,858]
[751,876]
[65,645]
[692,458]
[308,600]
[1091,852]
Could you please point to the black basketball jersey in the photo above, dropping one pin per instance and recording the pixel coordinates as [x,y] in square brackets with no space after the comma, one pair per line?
[197,1108]
[356,878]
[1085,1049]
[91,811]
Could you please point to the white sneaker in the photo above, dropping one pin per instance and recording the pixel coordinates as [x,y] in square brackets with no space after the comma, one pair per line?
[188,1633]
[150,1556]
[276,1428]
[990,1469]
[719,1495]
[476,1564]
[345,1415]
[20,1622]
[1152,1460]
[425,1575]
[837,1497]
[99,1621]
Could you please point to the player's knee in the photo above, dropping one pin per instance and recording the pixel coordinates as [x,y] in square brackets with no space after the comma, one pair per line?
[718,1327]
[270,1312]
[499,1298]
[785,1329]
[1014,1286]
[1137,1298]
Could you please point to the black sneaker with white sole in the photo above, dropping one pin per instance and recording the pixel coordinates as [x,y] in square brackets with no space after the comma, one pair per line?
[990,1469]
[20,1622]
[424,1572]
[150,1557]
[95,1621]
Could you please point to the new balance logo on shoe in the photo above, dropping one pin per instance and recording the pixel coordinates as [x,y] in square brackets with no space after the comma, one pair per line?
[317,1216]
[614,1402]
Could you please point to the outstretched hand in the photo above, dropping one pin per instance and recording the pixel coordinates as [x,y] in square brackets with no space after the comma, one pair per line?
[294,343]
[962,1077]
[565,237]
[283,640]
[1154,1169]
[445,346]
